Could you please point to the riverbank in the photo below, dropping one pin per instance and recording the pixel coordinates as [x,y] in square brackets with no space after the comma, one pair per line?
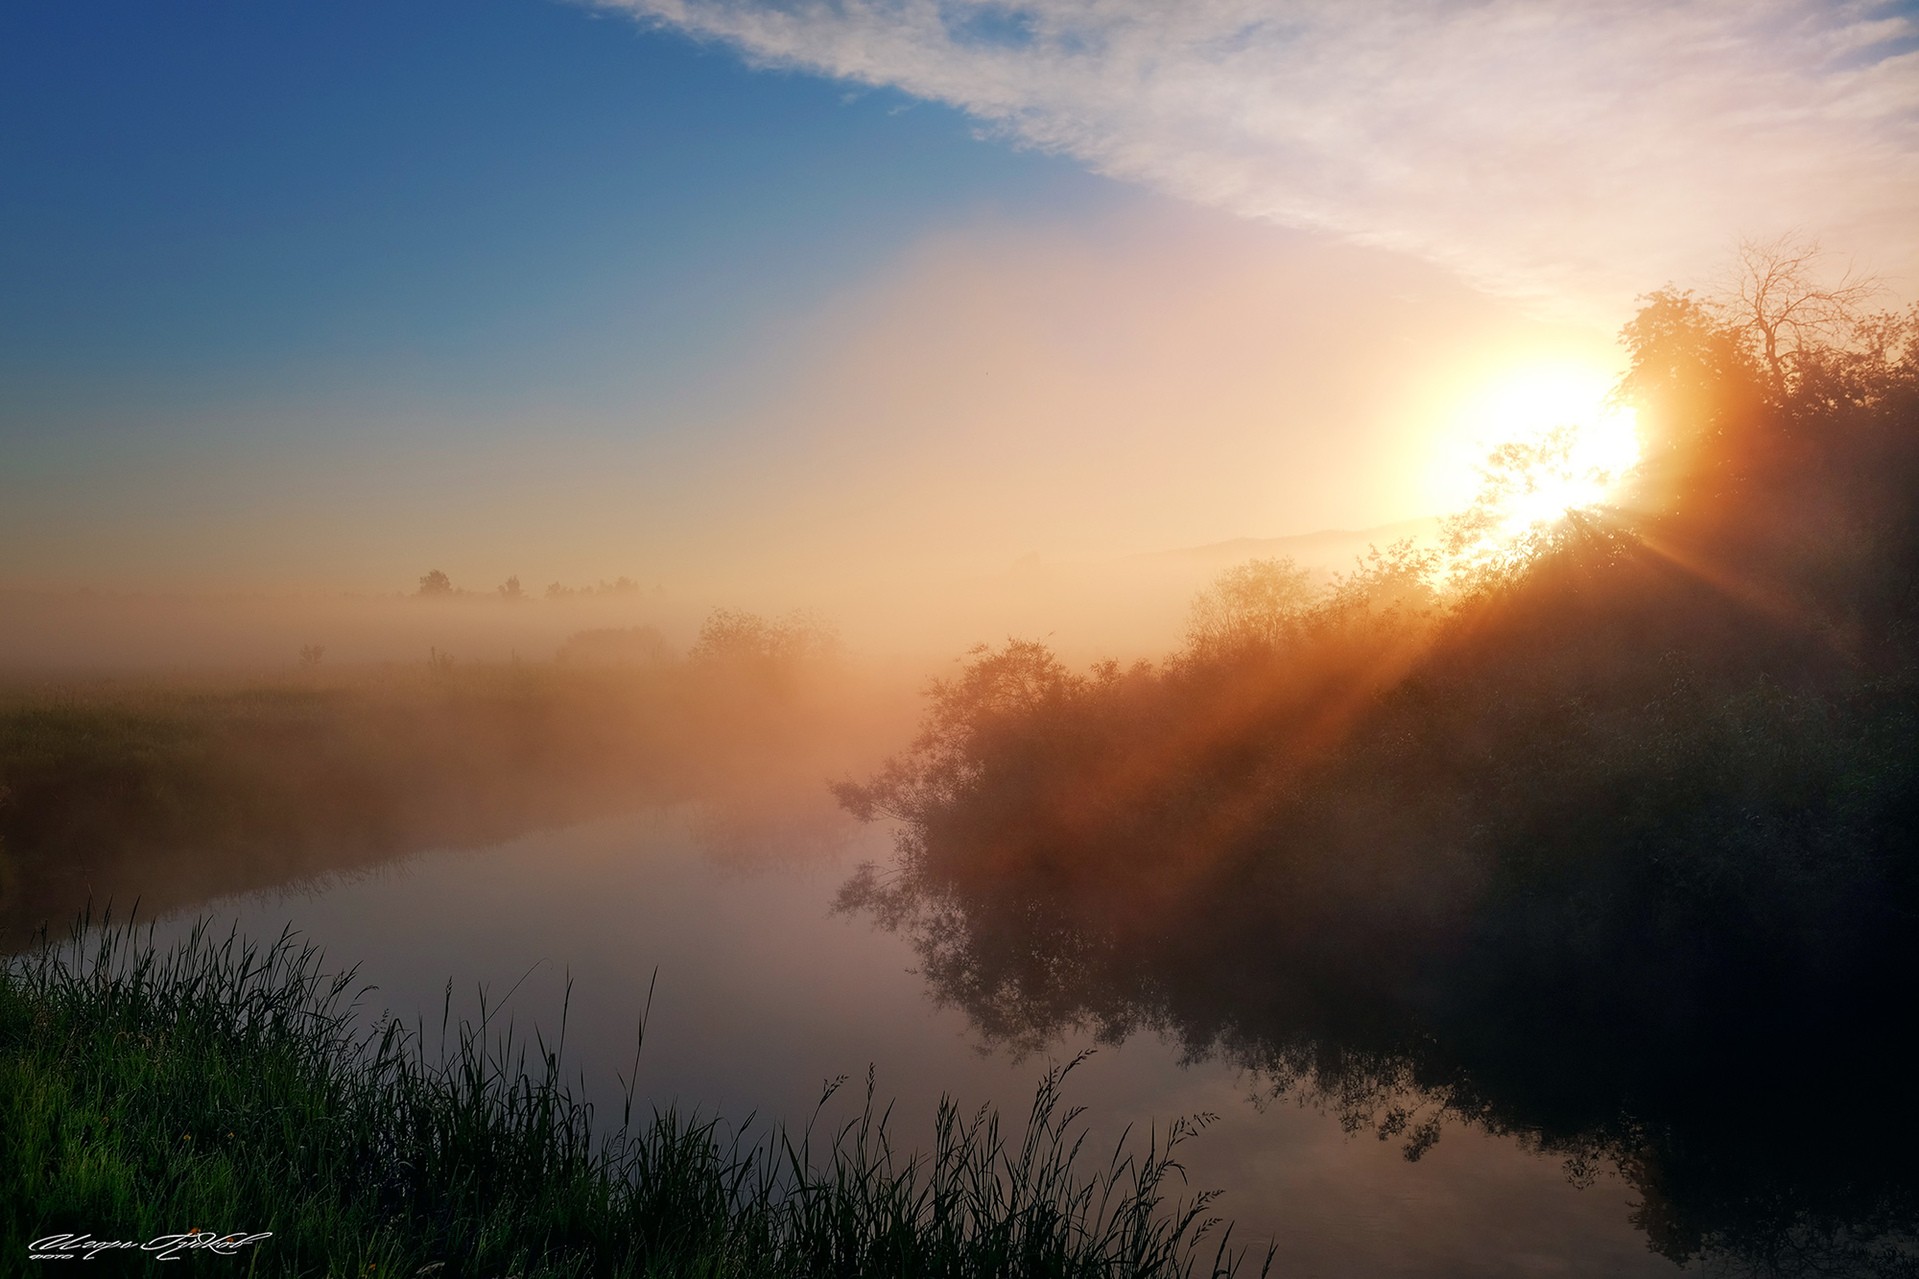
[226,1085]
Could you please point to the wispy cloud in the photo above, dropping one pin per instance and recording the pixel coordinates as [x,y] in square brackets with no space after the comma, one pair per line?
[1553,150]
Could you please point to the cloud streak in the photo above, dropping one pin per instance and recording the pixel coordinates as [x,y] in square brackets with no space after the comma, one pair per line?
[1576,153]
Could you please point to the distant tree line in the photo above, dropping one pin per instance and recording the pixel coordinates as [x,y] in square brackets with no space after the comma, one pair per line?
[436,585]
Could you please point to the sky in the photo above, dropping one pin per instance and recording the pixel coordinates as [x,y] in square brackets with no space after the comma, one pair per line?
[320,296]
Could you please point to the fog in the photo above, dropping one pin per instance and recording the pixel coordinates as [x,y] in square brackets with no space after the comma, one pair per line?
[169,748]
[1362,830]
[1123,607]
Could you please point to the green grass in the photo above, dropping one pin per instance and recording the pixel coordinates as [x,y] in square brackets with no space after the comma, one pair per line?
[225,1084]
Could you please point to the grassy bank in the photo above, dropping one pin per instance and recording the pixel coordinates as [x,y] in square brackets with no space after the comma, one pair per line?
[227,1085]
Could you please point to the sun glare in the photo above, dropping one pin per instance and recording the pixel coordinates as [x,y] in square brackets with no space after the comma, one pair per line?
[1568,466]
[1549,443]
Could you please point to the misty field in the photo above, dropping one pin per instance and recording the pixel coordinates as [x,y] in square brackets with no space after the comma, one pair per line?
[177,788]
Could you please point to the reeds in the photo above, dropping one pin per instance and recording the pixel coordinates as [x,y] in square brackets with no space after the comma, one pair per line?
[225,1084]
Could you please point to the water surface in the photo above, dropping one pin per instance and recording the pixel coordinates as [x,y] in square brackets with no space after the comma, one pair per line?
[761,991]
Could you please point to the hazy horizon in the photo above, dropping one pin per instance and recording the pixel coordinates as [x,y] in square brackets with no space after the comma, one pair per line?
[1124,607]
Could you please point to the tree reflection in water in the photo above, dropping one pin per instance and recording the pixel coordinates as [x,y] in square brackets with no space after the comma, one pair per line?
[1760,1114]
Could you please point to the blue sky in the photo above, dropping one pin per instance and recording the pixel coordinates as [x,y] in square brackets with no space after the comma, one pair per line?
[321,293]
[217,201]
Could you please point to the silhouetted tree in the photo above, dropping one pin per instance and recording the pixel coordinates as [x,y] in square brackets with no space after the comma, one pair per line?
[1781,301]
[435,583]
[1696,387]
[732,635]
[1256,605]
[618,586]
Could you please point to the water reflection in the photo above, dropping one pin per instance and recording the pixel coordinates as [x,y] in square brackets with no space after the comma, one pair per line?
[763,991]
[1754,1102]
[1730,1100]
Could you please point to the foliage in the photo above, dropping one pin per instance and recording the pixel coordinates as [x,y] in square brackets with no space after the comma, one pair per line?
[731,635]
[1258,605]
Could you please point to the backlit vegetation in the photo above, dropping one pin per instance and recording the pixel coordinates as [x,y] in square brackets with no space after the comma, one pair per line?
[1607,841]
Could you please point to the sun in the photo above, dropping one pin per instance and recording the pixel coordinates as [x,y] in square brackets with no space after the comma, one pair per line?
[1550,442]
[1538,478]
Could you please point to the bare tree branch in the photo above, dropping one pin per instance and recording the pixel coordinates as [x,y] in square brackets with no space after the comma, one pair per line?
[1782,298]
